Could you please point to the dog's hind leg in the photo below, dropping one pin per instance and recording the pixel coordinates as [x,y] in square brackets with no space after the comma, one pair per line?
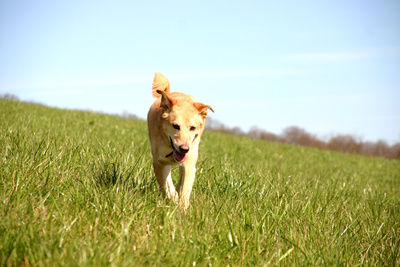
[187,174]
[164,179]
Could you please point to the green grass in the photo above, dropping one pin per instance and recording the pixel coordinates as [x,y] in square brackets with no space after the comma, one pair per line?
[77,189]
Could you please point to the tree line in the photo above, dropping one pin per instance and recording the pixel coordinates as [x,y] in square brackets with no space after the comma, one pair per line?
[294,135]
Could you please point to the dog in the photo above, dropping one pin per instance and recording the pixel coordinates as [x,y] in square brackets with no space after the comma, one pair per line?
[175,122]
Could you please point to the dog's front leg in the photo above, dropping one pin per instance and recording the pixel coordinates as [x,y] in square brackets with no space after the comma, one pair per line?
[164,179]
[187,174]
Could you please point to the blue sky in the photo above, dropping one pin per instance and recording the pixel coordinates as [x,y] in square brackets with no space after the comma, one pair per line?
[326,66]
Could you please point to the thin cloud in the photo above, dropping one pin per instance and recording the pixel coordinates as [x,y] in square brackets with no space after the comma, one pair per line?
[328,57]
[59,92]
[71,86]
[332,57]
[386,118]
[236,74]
[77,83]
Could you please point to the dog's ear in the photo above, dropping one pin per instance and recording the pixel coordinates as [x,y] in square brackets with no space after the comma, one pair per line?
[202,108]
[161,83]
[166,101]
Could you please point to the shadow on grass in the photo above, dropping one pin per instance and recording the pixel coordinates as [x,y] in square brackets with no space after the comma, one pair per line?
[111,174]
[108,175]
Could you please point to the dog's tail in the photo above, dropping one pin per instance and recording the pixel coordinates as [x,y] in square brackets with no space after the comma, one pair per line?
[161,83]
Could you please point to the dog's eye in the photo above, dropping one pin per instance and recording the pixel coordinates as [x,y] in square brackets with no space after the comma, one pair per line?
[176,126]
[192,128]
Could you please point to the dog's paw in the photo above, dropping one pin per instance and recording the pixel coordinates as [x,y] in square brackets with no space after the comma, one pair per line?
[184,203]
[173,197]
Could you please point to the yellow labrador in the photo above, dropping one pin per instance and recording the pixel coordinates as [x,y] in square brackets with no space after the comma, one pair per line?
[176,122]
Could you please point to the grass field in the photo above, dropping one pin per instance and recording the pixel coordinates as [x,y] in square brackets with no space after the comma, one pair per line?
[77,189]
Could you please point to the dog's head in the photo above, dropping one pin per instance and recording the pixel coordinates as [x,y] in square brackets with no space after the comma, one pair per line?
[183,122]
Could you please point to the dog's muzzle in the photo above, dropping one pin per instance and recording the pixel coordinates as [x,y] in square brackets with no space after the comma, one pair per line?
[179,156]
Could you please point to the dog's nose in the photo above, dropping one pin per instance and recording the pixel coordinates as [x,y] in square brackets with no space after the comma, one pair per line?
[184,148]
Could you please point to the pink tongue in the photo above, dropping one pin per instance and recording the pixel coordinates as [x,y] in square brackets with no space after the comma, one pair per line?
[179,156]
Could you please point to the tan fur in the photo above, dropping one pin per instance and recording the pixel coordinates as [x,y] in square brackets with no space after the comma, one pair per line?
[161,83]
[176,122]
